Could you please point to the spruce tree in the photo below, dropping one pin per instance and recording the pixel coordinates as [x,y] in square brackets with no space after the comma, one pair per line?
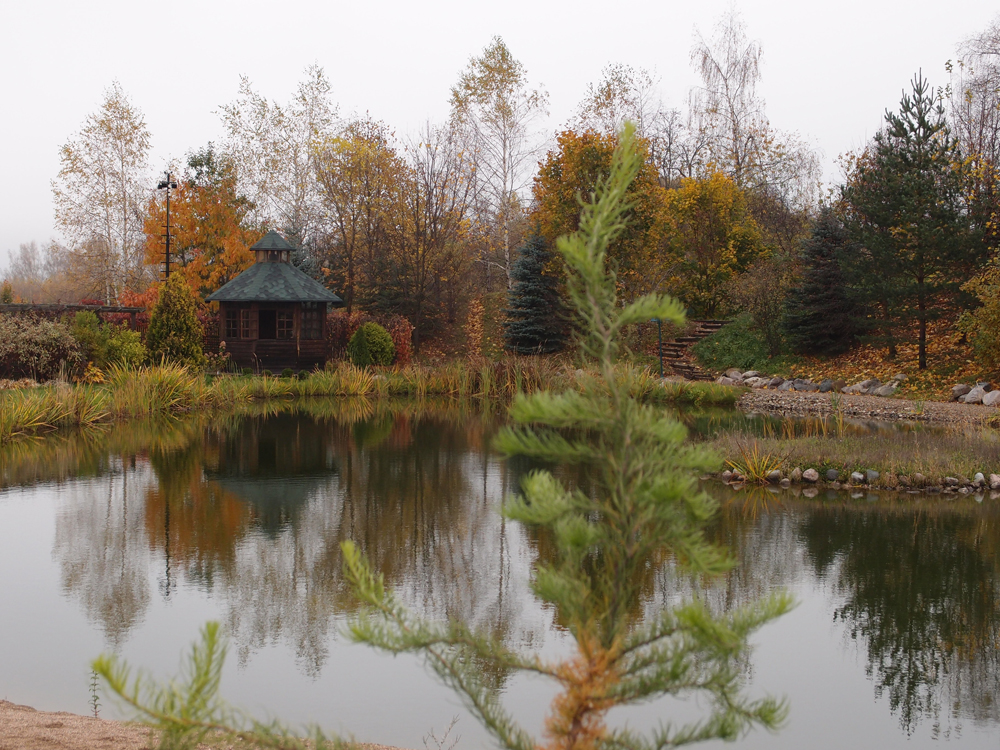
[174,331]
[534,322]
[818,311]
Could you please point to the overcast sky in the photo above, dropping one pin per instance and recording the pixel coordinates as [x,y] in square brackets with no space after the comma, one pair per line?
[829,69]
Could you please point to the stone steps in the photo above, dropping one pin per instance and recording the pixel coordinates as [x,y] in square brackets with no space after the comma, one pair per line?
[677,357]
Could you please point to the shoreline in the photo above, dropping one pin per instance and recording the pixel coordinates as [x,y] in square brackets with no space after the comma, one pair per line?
[26,728]
[884,408]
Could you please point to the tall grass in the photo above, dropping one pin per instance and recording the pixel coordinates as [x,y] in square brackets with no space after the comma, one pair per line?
[151,392]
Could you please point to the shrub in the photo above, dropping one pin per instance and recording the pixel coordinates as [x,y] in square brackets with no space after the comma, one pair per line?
[125,347]
[247,371]
[92,339]
[288,372]
[341,327]
[174,331]
[303,375]
[31,348]
[357,349]
[267,374]
[380,345]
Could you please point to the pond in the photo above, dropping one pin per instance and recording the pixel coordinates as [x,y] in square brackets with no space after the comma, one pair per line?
[128,540]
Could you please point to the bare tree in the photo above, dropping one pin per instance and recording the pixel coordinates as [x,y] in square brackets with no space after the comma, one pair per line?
[102,190]
[274,147]
[494,107]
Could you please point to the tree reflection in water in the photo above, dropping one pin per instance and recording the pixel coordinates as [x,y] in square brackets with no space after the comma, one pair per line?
[253,508]
[921,588]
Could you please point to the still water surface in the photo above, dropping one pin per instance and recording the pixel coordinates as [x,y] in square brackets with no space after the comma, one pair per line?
[129,540]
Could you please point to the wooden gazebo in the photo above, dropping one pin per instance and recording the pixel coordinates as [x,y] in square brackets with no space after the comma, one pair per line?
[273,316]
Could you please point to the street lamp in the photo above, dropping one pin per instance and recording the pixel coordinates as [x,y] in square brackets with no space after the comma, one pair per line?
[166,185]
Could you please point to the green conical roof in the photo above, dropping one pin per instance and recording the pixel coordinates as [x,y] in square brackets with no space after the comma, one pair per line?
[274,282]
[272,241]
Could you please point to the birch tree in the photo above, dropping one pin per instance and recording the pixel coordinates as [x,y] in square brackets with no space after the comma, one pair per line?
[273,148]
[101,193]
[495,108]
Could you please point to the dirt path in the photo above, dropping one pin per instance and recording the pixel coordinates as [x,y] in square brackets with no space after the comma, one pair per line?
[24,728]
[790,403]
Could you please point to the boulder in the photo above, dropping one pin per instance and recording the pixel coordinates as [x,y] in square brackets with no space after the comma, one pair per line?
[975,396]
[755,382]
[871,476]
[785,483]
[810,475]
[832,475]
[775,382]
[734,374]
[838,386]
[951,481]
[904,481]
[727,475]
[899,377]
[774,476]
[992,398]
[957,391]
[985,385]
[826,386]
[857,477]
[723,380]
[995,482]
[919,480]
[806,387]
[834,485]
[751,374]
[796,475]
[786,386]
[884,390]
[867,386]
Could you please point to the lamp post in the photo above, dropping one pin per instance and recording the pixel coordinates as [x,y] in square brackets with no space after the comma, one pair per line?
[166,185]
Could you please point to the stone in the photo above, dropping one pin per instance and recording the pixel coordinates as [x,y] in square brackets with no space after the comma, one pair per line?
[975,396]
[723,380]
[796,475]
[785,483]
[992,398]
[978,479]
[838,386]
[934,489]
[871,476]
[775,382]
[951,481]
[857,477]
[727,475]
[957,391]
[751,374]
[755,382]
[835,485]
[786,386]
[867,386]
[899,377]
[884,390]
[851,389]
[919,480]
[826,386]
[964,490]
[985,385]
[810,475]
[904,481]
[807,387]
[832,475]
[734,374]
[995,481]
[774,475]
[810,492]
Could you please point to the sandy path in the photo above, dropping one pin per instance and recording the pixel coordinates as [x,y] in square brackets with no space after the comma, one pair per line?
[24,728]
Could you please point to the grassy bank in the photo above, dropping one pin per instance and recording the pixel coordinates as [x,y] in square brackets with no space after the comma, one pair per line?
[935,454]
[153,392]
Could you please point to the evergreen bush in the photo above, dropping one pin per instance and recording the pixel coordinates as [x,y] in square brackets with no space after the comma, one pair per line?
[534,322]
[380,345]
[357,349]
[288,372]
[174,331]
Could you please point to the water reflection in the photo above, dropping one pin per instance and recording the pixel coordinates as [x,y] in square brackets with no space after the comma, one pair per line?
[251,511]
[920,592]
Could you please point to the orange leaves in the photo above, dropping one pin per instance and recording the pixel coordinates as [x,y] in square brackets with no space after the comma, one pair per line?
[577,718]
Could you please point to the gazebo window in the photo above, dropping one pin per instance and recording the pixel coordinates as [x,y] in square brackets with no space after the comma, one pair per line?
[237,323]
[312,321]
[286,324]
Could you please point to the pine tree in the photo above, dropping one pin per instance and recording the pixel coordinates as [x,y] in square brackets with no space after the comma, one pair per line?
[534,322]
[819,314]
[174,331]
[905,206]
